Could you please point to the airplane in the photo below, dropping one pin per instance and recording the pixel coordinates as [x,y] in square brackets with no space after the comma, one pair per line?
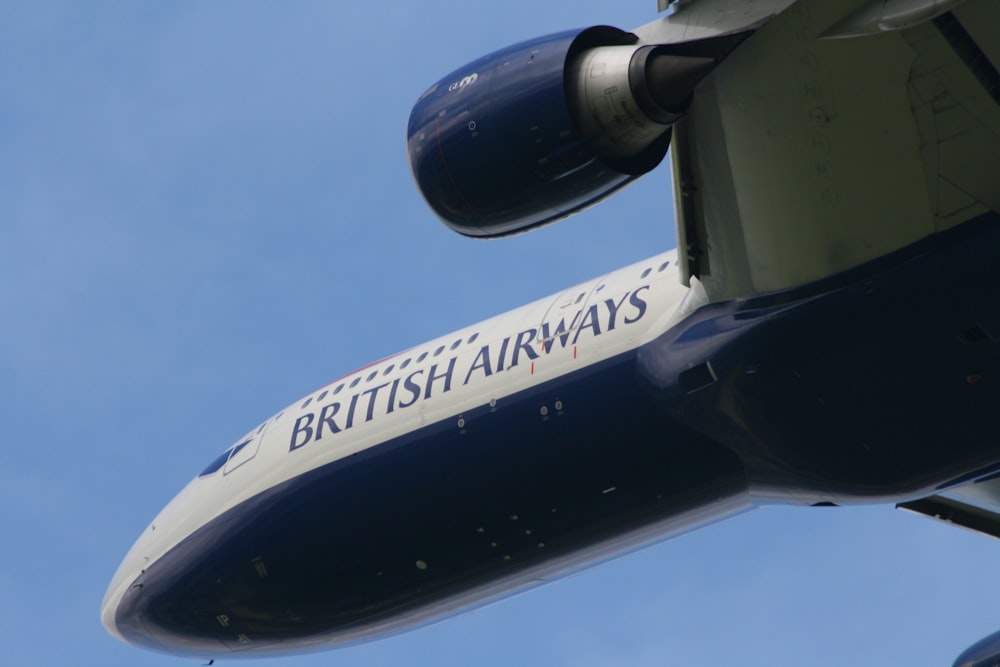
[824,335]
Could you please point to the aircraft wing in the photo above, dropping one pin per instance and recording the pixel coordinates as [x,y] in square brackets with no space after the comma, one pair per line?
[837,133]
[688,20]
[973,505]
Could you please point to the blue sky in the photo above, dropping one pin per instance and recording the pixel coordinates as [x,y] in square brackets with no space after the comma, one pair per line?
[206,212]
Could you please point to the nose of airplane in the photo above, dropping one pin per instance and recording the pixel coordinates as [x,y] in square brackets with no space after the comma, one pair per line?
[170,526]
[123,580]
[109,607]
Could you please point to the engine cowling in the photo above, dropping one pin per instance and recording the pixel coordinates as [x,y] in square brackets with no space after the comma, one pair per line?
[537,131]
[984,653]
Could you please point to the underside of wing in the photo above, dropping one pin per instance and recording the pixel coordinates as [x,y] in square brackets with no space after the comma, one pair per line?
[833,136]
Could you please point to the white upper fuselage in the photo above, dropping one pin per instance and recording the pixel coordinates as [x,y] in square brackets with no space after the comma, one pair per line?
[477,365]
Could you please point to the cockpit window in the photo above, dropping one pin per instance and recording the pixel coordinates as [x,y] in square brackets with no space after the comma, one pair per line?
[222,458]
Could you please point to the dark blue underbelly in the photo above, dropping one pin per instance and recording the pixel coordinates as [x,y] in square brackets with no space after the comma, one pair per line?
[880,383]
[432,520]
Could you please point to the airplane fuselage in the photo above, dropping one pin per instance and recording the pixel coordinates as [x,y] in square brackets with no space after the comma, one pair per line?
[611,415]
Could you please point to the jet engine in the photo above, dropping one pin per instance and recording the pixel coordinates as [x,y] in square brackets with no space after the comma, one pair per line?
[537,131]
[984,653]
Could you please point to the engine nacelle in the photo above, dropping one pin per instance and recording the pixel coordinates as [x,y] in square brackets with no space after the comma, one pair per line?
[984,653]
[537,131]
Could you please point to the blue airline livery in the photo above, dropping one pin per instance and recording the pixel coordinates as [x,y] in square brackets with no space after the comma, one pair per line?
[827,332]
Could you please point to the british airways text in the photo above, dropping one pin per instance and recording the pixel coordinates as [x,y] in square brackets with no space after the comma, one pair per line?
[502,355]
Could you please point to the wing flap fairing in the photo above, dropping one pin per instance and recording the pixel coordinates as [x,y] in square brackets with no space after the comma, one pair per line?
[973,505]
